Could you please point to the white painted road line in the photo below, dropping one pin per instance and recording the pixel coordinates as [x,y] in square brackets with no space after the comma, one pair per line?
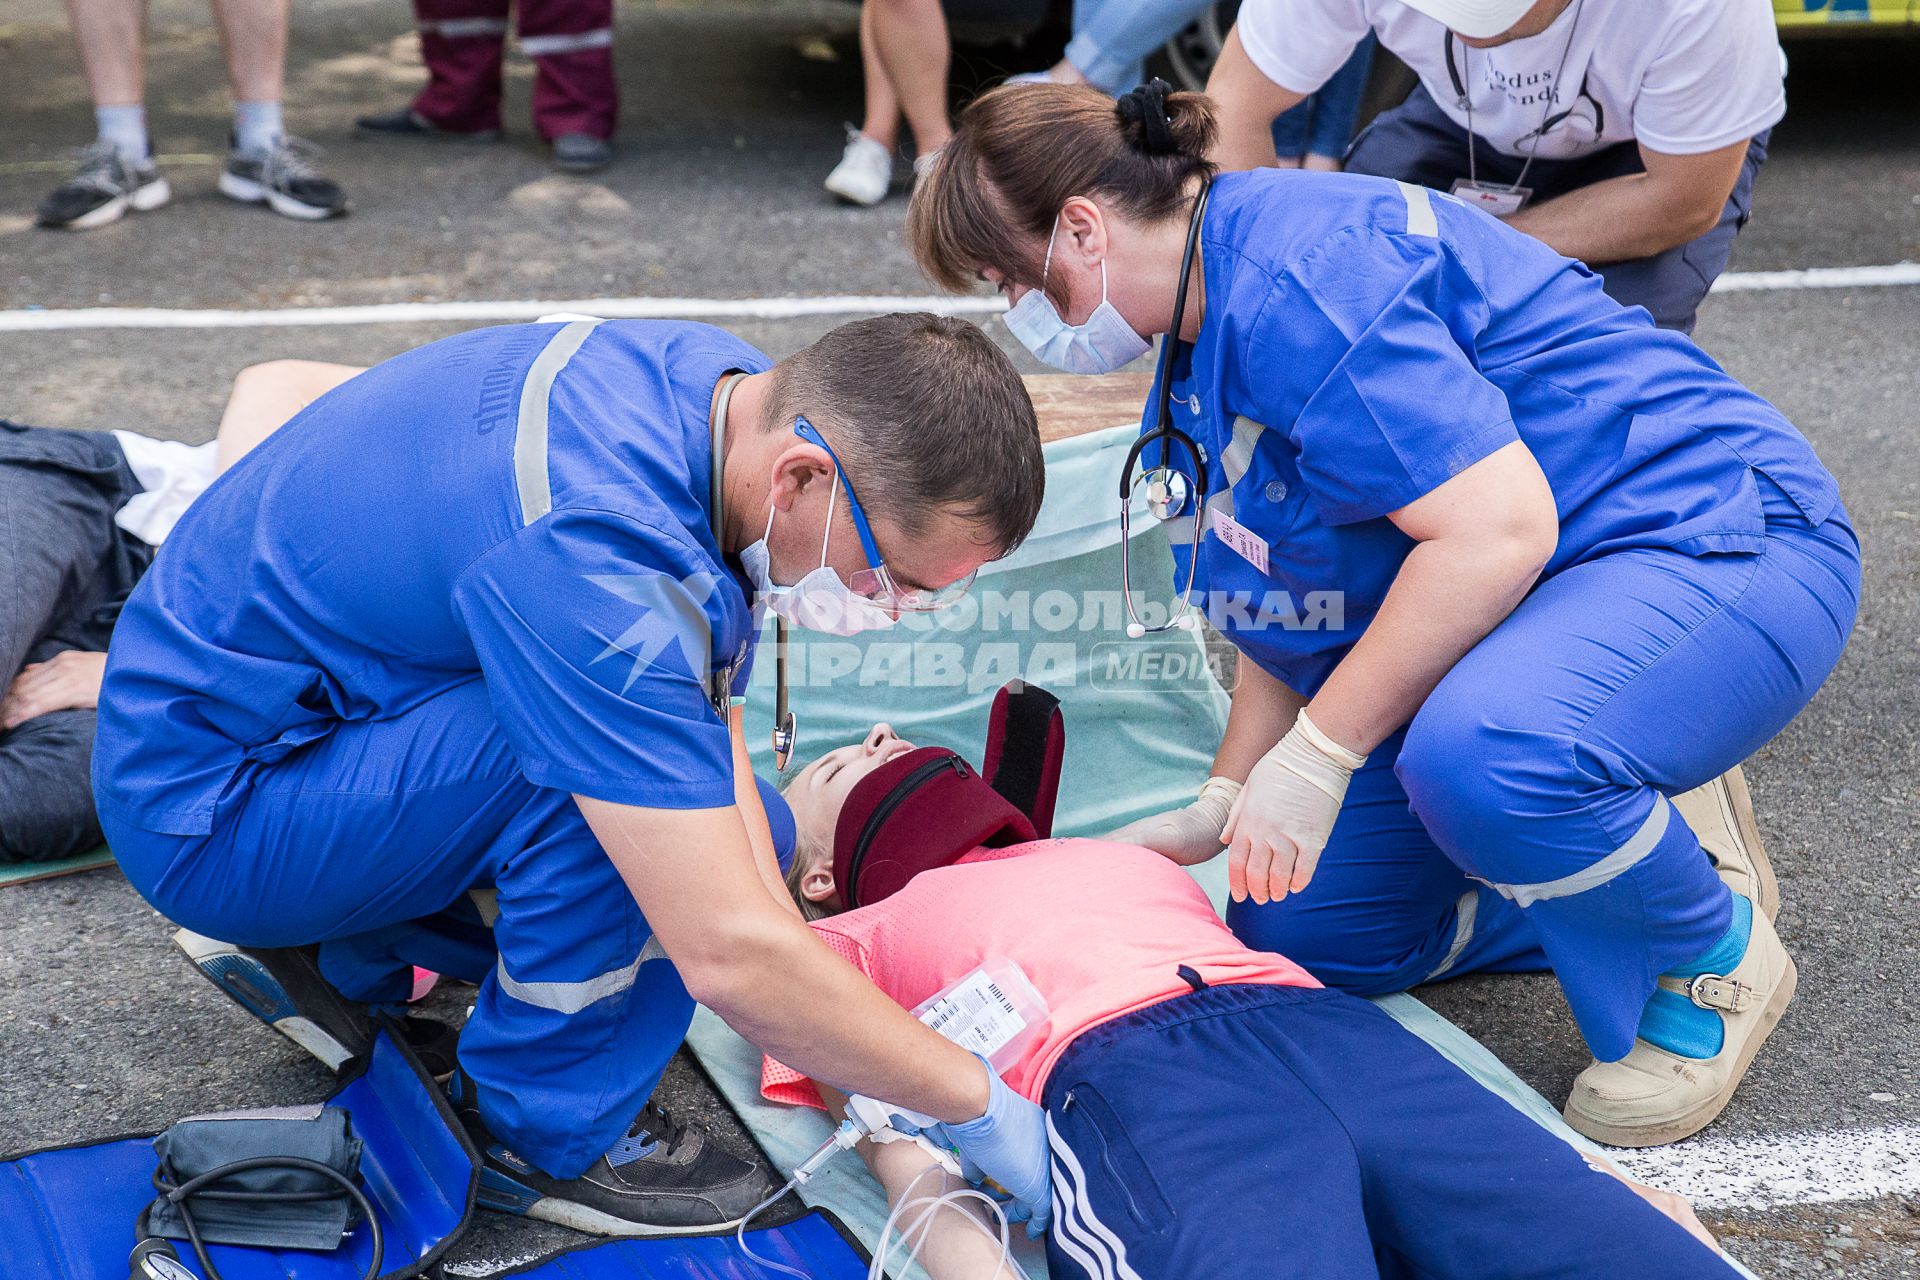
[1766,1173]
[1819,278]
[31,321]
[489,312]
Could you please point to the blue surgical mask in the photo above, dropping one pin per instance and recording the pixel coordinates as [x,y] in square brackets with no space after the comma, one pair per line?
[1100,344]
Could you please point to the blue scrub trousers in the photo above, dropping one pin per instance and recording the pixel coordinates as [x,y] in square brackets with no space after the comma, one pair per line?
[1521,822]
[1323,124]
[368,841]
[1418,142]
[1267,1133]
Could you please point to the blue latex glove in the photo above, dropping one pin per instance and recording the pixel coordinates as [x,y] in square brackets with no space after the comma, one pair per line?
[1009,1145]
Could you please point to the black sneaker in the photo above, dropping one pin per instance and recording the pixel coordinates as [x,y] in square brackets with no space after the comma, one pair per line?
[285,180]
[284,988]
[581,153]
[661,1178]
[405,122]
[107,185]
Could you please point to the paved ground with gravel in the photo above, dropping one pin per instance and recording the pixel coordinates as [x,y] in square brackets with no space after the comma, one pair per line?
[732,118]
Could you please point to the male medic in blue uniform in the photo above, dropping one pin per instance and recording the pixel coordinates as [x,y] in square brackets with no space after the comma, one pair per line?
[475,619]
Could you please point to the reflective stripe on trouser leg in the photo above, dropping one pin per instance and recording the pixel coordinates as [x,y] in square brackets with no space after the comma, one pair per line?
[463,43]
[465,28]
[1620,861]
[546,46]
[1078,1230]
[571,1031]
[1541,763]
[1465,913]
[571,45]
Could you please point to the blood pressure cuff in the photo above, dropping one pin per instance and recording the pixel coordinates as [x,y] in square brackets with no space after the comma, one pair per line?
[297,1209]
[69,1213]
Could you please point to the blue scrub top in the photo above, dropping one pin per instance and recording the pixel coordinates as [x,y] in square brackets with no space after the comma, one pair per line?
[376,551]
[1365,340]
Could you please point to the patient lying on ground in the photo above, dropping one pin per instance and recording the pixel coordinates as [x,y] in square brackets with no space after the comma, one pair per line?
[1214,1112]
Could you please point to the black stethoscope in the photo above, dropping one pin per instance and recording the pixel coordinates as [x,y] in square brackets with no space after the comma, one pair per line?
[1549,119]
[1168,489]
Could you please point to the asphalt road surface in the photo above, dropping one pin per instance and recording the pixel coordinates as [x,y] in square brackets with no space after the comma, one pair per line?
[732,117]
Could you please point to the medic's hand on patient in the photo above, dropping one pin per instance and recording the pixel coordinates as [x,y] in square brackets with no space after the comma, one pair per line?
[1188,836]
[1009,1145]
[1282,818]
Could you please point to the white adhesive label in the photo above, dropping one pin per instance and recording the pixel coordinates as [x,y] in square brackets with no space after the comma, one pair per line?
[1239,539]
[975,1014]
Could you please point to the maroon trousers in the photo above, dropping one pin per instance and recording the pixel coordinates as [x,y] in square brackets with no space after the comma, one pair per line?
[570,42]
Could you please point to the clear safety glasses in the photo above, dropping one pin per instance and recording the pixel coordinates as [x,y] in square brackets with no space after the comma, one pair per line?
[874,582]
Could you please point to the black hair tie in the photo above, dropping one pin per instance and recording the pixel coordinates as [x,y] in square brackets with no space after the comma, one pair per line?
[1146,106]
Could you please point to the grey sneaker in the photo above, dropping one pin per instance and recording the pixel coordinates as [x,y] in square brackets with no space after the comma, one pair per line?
[107,184]
[581,153]
[284,179]
[662,1178]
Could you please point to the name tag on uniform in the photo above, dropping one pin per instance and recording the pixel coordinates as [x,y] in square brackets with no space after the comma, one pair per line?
[1497,198]
[1241,540]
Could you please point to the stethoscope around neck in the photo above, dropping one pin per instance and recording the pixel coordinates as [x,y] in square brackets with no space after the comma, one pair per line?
[1168,490]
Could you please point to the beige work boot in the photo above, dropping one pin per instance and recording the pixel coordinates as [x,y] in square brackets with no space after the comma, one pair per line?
[1721,815]
[1652,1097]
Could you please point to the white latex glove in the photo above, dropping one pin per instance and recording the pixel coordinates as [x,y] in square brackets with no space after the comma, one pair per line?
[1280,823]
[1188,836]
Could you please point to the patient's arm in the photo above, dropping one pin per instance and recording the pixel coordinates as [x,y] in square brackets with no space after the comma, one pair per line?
[1674,1206]
[266,395]
[954,1248]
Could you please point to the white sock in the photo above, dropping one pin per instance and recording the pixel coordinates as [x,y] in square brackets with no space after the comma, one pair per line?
[125,128]
[257,126]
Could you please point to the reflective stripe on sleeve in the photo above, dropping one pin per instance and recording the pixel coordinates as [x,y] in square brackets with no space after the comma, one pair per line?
[530,439]
[541,46]
[1420,219]
[1620,860]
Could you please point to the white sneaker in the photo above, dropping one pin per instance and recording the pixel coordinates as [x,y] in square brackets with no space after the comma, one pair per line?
[865,172]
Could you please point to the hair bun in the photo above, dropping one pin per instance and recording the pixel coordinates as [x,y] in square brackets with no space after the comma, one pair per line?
[1143,113]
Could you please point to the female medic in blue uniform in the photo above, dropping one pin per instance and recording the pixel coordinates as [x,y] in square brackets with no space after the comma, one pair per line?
[1509,569]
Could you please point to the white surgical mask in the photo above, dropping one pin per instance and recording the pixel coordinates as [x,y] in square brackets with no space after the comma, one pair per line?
[1100,344]
[820,601]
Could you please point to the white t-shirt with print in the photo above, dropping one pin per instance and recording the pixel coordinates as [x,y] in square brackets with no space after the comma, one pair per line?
[1679,76]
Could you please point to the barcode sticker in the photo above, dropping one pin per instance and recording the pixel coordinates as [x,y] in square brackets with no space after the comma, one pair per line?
[976,1015]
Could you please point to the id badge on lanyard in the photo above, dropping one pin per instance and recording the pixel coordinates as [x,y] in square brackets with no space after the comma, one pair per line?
[1500,199]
